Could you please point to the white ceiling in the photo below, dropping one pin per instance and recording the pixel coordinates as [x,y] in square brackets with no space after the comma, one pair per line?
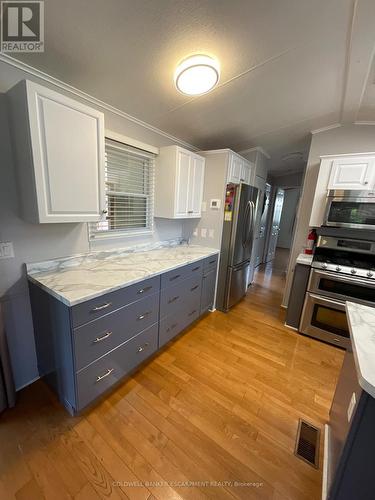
[288,66]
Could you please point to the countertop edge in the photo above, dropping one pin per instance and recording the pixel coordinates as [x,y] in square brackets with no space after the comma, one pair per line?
[363,382]
[94,295]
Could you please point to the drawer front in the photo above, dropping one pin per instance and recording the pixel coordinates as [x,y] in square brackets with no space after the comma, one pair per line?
[173,324]
[210,263]
[93,340]
[173,277]
[106,371]
[95,308]
[208,290]
[170,327]
[174,299]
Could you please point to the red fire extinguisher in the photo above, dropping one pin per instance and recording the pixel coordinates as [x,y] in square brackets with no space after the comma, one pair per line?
[310,243]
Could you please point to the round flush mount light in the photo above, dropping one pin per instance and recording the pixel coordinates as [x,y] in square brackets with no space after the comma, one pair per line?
[197,74]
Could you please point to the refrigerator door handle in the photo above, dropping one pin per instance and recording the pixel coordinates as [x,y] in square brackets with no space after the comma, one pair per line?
[250,231]
[246,222]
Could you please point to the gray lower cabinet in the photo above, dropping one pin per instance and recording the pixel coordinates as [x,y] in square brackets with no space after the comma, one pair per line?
[85,350]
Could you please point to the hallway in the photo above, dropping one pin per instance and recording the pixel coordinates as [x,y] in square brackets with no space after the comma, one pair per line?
[221,403]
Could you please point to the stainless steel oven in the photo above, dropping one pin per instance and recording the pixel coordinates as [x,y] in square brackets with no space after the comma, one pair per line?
[351,209]
[342,270]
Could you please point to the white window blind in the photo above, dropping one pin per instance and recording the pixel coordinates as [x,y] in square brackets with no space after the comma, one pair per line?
[129,178]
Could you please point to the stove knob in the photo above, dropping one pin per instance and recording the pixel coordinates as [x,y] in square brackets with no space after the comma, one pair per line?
[338,269]
[324,265]
[353,271]
[370,274]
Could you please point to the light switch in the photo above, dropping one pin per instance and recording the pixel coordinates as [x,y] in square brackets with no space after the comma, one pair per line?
[195,232]
[6,250]
[211,233]
[204,232]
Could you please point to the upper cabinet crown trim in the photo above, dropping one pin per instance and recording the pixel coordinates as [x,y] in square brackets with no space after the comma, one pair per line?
[348,155]
[11,61]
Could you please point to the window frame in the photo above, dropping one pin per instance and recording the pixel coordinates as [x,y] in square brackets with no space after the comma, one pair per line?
[96,236]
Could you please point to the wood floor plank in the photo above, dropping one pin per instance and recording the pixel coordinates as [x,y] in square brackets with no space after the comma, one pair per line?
[219,404]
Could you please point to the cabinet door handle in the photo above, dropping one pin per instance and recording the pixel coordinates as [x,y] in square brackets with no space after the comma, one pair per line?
[174,277]
[103,306]
[142,316]
[143,347]
[173,299]
[145,289]
[99,339]
[192,312]
[106,374]
[196,268]
[190,211]
[194,288]
[212,261]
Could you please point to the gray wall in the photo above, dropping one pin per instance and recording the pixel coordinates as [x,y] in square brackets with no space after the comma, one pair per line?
[46,241]
[288,217]
[347,139]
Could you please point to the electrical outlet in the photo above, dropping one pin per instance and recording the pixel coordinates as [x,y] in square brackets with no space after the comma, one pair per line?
[204,232]
[6,250]
[211,233]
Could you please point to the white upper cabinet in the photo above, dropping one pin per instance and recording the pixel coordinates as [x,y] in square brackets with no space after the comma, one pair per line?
[346,172]
[179,182]
[239,170]
[352,173]
[59,146]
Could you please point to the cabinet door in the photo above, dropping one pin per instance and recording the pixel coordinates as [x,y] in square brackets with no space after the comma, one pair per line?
[196,179]
[208,291]
[67,141]
[235,170]
[246,173]
[352,173]
[182,183]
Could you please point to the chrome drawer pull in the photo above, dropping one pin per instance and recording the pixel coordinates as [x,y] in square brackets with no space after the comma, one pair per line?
[192,312]
[173,299]
[142,348]
[99,339]
[194,288]
[145,289]
[142,316]
[108,372]
[196,268]
[190,211]
[174,277]
[104,306]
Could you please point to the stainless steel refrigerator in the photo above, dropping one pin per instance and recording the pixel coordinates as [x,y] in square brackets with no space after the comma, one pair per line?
[236,245]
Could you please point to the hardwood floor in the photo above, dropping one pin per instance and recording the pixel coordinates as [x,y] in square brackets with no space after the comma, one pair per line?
[220,404]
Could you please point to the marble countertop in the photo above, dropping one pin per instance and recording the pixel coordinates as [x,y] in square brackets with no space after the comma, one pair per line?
[361,321]
[304,259]
[77,279]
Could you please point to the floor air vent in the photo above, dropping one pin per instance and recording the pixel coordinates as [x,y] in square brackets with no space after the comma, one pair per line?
[307,445]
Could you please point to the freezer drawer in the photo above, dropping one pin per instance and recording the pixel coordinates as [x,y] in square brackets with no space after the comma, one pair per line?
[236,284]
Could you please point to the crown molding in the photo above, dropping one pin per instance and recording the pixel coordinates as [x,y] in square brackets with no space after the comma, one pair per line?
[259,149]
[30,70]
[324,129]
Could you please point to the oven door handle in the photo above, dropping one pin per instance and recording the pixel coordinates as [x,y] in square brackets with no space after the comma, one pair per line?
[321,299]
[342,278]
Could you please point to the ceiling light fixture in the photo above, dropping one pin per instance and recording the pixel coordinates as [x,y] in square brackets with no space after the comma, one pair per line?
[197,74]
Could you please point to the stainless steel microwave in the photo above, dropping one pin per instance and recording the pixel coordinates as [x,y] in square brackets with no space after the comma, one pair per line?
[353,209]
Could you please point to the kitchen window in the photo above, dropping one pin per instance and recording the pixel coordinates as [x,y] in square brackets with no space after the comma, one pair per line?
[129,181]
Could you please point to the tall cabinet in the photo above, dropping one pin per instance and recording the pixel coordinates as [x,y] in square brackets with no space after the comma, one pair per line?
[178,183]
[59,149]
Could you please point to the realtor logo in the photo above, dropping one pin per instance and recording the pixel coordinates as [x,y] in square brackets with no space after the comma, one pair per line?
[22,26]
